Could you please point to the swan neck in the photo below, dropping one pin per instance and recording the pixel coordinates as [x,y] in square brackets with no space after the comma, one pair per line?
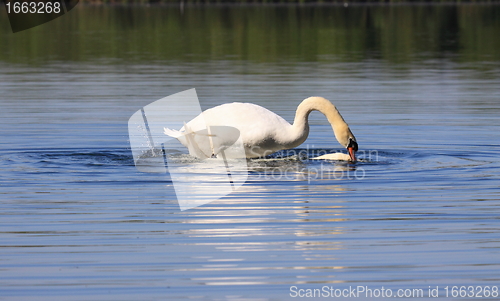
[339,126]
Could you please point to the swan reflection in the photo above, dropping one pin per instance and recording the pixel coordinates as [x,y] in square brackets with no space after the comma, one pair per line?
[198,182]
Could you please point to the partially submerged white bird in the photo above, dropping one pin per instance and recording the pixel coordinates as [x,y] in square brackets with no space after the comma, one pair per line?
[334,156]
[261,131]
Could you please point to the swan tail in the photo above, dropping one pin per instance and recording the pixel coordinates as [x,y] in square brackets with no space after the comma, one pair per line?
[172,133]
[188,138]
[192,145]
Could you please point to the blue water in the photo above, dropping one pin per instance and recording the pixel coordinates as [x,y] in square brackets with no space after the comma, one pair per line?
[78,221]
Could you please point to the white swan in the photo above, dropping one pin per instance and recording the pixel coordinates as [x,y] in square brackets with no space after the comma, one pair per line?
[262,131]
[334,156]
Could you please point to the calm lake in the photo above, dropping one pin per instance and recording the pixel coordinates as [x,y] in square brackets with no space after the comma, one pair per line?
[419,86]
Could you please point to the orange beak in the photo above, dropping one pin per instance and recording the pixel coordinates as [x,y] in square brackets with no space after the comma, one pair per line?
[352,154]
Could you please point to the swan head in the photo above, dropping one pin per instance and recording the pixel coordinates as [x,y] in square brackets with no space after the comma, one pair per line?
[352,148]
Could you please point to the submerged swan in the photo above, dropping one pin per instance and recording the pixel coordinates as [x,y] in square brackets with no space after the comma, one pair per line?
[262,131]
[334,156]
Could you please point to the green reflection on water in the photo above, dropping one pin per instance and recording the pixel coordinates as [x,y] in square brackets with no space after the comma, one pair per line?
[397,34]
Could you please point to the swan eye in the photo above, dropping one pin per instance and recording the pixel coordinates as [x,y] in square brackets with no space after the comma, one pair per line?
[353,144]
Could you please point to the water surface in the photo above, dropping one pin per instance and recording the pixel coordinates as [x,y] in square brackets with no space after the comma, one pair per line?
[79,222]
